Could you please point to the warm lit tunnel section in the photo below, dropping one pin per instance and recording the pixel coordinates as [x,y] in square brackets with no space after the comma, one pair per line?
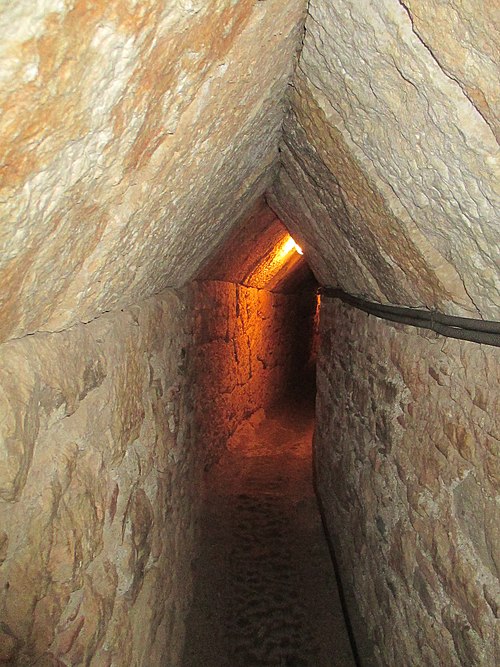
[255,306]
[260,253]
[256,311]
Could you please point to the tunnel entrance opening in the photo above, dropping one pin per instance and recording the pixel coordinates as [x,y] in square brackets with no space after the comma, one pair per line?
[265,590]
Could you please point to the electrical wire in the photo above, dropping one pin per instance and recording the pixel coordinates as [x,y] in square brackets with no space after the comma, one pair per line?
[486,332]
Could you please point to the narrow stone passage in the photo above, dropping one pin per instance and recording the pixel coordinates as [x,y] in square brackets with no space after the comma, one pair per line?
[265,591]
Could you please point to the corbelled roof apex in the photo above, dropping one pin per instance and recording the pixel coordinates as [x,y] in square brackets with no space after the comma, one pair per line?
[134,137]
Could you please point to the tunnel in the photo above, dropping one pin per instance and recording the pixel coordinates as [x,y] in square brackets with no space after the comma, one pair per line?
[249,331]
[264,584]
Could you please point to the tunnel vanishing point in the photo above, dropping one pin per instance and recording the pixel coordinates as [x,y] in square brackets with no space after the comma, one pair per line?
[155,156]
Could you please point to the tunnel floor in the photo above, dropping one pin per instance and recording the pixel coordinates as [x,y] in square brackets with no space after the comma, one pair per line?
[265,590]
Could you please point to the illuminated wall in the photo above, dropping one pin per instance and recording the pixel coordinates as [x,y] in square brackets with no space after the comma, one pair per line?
[260,253]
[254,321]
[279,261]
[252,347]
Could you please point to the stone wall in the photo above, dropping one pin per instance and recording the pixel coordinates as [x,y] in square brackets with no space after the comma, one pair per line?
[132,136]
[99,487]
[101,472]
[254,254]
[252,346]
[406,463]
[389,176]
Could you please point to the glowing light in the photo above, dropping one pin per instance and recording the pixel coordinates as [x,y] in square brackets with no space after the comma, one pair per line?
[280,259]
[291,245]
[288,245]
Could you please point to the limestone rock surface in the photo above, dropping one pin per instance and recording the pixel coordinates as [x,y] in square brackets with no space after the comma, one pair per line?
[257,253]
[465,42]
[406,452]
[132,135]
[99,491]
[390,162]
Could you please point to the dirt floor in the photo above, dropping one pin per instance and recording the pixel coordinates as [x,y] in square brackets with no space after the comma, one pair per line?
[265,592]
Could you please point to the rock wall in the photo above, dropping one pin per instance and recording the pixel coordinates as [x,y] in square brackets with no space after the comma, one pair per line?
[406,459]
[132,136]
[99,487]
[389,175]
[252,347]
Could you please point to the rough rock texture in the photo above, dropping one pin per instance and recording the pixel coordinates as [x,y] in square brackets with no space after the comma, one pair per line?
[136,139]
[132,135]
[467,51]
[99,486]
[250,347]
[406,457]
[390,163]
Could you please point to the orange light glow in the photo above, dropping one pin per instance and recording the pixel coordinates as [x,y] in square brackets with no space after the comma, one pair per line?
[278,261]
[287,246]
[291,245]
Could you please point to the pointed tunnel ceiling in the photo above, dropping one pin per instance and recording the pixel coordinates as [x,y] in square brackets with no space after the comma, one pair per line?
[135,136]
[260,253]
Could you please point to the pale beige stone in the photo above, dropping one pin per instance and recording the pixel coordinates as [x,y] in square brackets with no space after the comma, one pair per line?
[132,135]
[136,142]
[410,487]
[390,166]
[92,557]
[464,40]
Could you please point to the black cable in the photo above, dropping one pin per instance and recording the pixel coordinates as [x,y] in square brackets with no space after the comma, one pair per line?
[486,332]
